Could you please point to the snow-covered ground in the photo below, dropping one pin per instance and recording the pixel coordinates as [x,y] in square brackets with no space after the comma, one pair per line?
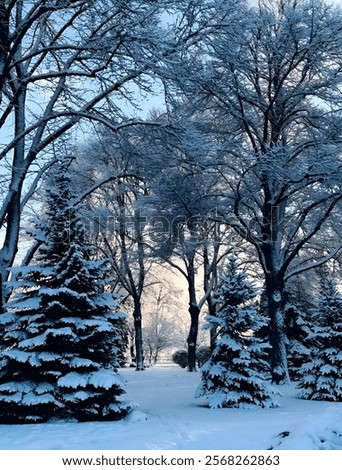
[168,417]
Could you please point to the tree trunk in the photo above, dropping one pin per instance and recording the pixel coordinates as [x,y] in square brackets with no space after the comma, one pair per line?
[139,353]
[4,36]
[210,284]
[213,330]
[132,354]
[194,311]
[10,245]
[275,285]
[275,300]
[1,293]
[192,337]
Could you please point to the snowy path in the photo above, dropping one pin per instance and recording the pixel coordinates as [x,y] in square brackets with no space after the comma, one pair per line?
[169,417]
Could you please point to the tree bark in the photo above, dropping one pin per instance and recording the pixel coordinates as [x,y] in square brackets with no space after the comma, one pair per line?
[210,284]
[194,311]
[192,337]
[275,300]
[213,329]
[4,33]
[139,352]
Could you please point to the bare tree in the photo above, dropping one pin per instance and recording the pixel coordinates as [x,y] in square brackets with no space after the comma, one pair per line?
[273,86]
[65,62]
[61,62]
[159,329]
[183,202]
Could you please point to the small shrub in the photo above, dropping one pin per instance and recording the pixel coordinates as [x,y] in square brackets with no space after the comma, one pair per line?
[180,358]
[203,355]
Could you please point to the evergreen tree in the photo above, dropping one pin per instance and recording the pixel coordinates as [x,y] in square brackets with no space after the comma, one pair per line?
[61,328]
[321,376]
[235,376]
[298,347]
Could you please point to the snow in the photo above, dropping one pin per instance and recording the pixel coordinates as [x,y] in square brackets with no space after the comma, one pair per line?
[169,417]
[78,362]
[99,325]
[65,331]
[104,378]
[7,318]
[73,380]
[20,356]
[11,387]
[46,356]
[30,303]
[33,399]
[33,342]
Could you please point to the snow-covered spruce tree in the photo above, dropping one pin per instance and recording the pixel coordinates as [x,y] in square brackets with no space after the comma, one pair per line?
[321,376]
[234,376]
[298,347]
[61,328]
